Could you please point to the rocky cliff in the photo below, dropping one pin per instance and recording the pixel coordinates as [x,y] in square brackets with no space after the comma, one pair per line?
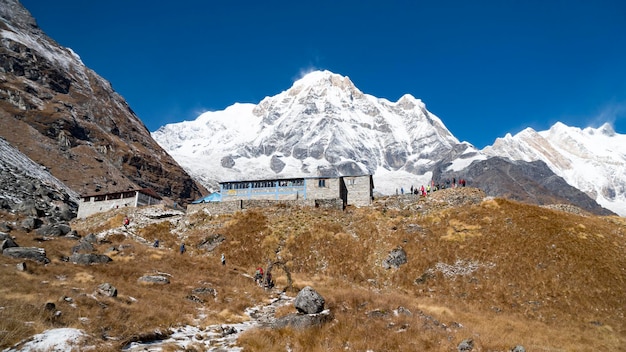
[66,117]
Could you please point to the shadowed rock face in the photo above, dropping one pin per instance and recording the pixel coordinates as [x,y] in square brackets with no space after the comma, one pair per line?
[531,182]
[64,116]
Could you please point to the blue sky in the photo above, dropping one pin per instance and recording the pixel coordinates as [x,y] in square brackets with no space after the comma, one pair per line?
[485,68]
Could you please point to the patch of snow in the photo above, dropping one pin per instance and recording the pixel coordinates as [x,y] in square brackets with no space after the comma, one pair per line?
[53,340]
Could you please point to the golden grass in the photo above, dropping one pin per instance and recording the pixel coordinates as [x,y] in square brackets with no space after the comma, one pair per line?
[500,272]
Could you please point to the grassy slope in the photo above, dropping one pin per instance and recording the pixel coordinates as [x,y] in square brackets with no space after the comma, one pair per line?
[499,272]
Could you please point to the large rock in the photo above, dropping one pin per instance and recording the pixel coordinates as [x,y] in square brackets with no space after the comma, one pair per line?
[83,247]
[395,258]
[106,289]
[303,321]
[89,258]
[308,301]
[154,279]
[31,223]
[7,243]
[30,253]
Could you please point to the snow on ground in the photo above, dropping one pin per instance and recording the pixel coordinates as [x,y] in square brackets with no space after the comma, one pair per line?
[53,340]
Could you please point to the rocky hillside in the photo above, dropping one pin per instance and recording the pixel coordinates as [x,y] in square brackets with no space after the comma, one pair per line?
[29,190]
[66,117]
[456,270]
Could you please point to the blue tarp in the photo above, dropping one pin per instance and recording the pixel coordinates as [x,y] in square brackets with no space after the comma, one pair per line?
[213,197]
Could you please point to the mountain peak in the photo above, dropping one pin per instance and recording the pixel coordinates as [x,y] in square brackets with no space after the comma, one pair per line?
[606,129]
[325,79]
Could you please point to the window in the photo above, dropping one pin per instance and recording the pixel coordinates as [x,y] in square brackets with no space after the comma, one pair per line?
[321,183]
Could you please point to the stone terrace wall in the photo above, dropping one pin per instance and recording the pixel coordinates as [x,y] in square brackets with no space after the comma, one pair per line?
[229,207]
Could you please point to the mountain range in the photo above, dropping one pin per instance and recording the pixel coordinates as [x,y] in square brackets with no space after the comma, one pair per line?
[324,126]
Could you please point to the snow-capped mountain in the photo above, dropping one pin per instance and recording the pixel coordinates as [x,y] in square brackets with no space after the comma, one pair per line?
[322,125]
[592,160]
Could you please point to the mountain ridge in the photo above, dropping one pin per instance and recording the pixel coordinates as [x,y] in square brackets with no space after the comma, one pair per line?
[323,125]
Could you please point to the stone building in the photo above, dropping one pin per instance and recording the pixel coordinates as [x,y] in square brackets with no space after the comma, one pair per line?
[336,192]
[96,203]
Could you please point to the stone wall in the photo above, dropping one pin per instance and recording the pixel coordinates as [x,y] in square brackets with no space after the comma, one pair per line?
[229,207]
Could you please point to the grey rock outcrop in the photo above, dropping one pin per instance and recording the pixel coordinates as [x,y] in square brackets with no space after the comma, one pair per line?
[106,289]
[7,243]
[465,345]
[89,258]
[83,247]
[308,301]
[31,223]
[29,253]
[303,321]
[395,258]
[154,279]
[54,230]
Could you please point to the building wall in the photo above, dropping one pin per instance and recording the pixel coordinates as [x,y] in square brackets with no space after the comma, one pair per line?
[329,189]
[359,190]
[93,206]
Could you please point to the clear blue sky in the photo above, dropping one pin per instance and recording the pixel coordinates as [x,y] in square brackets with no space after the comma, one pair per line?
[484,67]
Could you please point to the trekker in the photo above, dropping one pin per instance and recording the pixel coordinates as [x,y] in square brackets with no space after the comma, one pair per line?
[182,248]
[268,281]
[223,259]
[126,222]
[156,244]
[258,275]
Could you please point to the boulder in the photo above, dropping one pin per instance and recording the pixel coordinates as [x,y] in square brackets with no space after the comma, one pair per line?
[89,258]
[303,321]
[7,243]
[48,230]
[5,226]
[21,266]
[202,291]
[154,279]
[106,289]
[395,258]
[31,223]
[518,348]
[91,238]
[29,207]
[83,247]
[465,345]
[30,253]
[308,301]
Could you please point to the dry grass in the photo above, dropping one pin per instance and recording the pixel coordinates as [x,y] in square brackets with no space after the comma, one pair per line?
[500,272]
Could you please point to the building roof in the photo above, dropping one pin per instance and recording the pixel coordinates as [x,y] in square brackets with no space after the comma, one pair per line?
[147,191]
[293,178]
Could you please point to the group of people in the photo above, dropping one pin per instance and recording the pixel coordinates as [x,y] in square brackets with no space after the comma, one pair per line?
[432,187]
[261,280]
